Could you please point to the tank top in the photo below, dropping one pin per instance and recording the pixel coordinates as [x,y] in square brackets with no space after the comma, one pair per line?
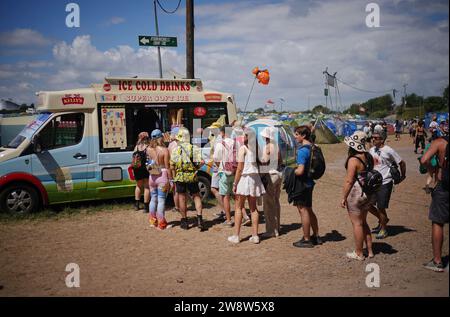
[250,165]
[142,155]
[420,131]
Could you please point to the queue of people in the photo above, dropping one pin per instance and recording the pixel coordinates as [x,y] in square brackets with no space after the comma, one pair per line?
[242,168]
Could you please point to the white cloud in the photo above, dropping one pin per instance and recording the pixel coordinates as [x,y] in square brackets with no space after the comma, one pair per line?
[295,40]
[82,63]
[23,37]
[115,21]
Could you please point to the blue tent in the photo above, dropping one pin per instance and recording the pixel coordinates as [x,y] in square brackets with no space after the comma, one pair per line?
[331,125]
[441,116]
[349,128]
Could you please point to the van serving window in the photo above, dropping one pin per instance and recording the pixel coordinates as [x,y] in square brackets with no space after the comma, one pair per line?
[139,118]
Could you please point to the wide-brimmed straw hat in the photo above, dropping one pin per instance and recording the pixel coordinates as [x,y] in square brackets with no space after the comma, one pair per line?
[357,141]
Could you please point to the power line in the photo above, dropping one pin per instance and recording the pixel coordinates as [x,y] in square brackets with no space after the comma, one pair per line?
[364,90]
[167,11]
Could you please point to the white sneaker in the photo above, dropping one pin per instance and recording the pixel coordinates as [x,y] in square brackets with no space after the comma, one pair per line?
[228,224]
[354,256]
[234,239]
[254,239]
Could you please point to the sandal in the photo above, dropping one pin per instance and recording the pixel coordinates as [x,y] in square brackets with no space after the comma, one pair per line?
[354,256]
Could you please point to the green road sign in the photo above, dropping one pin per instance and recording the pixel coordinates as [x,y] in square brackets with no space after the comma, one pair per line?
[145,40]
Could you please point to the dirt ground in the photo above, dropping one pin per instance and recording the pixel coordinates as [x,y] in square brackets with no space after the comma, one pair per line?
[120,255]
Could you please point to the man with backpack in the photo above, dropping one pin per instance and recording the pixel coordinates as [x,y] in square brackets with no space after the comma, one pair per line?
[184,163]
[385,159]
[225,159]
[438,214]
[304,201]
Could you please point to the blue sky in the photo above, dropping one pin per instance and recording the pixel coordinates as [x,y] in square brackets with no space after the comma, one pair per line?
[294,39]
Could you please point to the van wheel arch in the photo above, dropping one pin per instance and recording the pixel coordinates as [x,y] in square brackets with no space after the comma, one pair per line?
[34,192]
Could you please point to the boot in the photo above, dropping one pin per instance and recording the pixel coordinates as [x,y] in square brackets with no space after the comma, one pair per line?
[136,205]
[200,224]
[184,224]
[146,208]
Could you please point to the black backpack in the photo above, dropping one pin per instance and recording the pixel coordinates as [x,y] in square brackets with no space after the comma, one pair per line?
[139,159]
[317,164]
[444,177]
[371,179]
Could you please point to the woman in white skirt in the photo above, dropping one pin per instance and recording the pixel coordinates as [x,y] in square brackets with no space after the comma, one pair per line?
[247,185]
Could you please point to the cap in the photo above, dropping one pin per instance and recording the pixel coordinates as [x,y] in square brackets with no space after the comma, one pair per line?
[156,134]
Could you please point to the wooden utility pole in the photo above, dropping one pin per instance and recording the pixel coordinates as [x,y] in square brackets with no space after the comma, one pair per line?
[157,34]
[190,39]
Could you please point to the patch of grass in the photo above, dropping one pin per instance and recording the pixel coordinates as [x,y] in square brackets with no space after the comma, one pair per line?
[70,210]
[80,209]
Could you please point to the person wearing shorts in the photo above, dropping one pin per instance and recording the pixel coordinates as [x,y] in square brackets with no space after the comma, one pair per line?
[439,208]
[304,202]
[184,163]
[214,170]
[357,202]
[222,155]
[384,157]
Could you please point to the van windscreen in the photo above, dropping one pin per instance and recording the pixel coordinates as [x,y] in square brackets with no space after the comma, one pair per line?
[29,130]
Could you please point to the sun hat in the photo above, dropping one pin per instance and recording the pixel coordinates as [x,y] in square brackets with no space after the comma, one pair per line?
[268,133]
[156,134]
[357,141]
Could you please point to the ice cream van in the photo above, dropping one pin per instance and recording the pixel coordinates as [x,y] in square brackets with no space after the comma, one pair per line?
[80,144]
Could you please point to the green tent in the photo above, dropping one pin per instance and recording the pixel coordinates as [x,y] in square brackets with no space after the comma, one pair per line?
[323,134]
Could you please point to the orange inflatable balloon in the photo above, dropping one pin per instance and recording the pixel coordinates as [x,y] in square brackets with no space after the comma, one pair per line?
[263,77]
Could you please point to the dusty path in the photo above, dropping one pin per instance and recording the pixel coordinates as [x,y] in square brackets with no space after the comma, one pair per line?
[120,255]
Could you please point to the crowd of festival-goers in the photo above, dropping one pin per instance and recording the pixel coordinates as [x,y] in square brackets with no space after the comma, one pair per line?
[248,171]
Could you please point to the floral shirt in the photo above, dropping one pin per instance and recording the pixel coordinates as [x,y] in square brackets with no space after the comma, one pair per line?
[185,160]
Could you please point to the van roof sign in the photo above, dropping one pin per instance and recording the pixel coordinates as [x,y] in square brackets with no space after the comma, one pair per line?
[129,90]
[138,85]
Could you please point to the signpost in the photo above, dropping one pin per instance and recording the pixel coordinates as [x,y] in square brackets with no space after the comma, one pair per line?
[147,40]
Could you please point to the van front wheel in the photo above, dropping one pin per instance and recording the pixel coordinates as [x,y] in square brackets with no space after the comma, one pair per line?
[19,199]
[204,186]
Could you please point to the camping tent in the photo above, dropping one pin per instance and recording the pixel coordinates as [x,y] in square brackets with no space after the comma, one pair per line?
[323,133]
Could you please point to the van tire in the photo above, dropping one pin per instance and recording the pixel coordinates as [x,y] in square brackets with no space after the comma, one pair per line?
[19,199]
[204,184]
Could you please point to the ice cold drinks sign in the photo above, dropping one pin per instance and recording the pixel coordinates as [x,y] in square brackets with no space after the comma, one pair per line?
[148,85]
